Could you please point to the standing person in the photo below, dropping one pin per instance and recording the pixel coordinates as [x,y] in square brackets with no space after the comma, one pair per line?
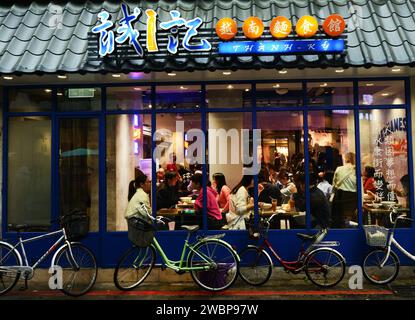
[240,204]
[215,219]
[168,193]
[324,185]
[140,197]
[224,192]
[345,192]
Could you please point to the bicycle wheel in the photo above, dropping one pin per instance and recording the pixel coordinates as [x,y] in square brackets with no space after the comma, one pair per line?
[325,267]
[255,267]
[79,271]
[220,263]
[377,274]
[134,267]
[8,277]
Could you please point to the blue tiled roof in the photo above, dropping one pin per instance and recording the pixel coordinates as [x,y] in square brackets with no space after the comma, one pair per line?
[380,33]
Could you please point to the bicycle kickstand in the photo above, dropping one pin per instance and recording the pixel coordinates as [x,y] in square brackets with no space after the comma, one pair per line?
[25,287]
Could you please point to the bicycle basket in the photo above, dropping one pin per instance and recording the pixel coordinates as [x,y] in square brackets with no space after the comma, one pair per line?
[140,232]
[76,225]
[376,236]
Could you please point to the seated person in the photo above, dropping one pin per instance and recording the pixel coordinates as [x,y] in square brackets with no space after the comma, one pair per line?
[143,188]
[324,185]
[319,205]
[224,192]
[240,204]
[287,186]
[215,219]
[267,190]
[168,193]
[369,180]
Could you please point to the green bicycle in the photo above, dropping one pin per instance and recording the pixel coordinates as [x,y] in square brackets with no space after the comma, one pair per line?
[211,261]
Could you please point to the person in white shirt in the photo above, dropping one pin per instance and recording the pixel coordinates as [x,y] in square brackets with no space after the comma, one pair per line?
[345,192]
[141,196]
[240,206]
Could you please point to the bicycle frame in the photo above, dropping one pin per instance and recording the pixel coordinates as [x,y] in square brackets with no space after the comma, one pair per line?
[391,242]
[181,265]
[21,242]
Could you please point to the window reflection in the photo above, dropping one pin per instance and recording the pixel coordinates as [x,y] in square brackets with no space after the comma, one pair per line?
[229,95]
[381,93]
[330,93]
[178,97]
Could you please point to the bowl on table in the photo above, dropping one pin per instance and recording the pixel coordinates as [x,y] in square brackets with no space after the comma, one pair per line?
[266,206]
[186,199]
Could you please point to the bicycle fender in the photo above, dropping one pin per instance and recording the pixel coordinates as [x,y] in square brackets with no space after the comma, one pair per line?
[225,244]
[328,249]
[15,250]
[52,264]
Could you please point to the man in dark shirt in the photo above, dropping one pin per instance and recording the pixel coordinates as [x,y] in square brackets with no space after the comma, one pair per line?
[168,193]
[269,191]
[319,205]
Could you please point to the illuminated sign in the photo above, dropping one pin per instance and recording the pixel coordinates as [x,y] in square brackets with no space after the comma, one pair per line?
[126,33]
[281,47]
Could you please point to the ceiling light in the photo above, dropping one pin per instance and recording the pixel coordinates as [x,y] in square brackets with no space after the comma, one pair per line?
[171,74]
[385,94]
[150,106]
[282,71]
[48,90]
[276,86]
[8,78]
[230,86]
[323,85]
[60,94]
[339,70]
[226,73]
[62,76]
[116,75]
[137,89]
[396,70]
[183,88]
[246,90]
[369,84]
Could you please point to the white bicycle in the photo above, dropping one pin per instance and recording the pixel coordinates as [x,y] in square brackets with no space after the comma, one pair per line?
[381,265]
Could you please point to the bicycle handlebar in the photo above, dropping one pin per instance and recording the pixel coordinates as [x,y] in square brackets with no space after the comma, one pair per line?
[400,217]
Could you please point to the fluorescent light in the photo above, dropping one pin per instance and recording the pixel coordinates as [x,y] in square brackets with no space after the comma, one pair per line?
[226,73]
[137,89]
[183,88]
[116,75]
[369,84]
[276,86]
[8,78]
[323,85]
[171,74]
[385,94]
[62,76]
[396,70]
[339,70]
[60,94]
[282,71]
[230,86]
[48,90]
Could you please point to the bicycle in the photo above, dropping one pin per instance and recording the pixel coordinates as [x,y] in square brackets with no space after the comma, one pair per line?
[323,265]
[381,265]
[211,261]
[78,263]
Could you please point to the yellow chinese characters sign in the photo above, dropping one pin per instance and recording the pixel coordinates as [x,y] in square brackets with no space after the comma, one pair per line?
[253,28]
[280,27]
[306,27]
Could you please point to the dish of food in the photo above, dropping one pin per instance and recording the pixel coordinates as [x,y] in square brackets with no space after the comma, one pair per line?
[266,206]
[186,199]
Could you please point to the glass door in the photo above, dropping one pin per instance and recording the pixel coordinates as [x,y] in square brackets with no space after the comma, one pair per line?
[79,168]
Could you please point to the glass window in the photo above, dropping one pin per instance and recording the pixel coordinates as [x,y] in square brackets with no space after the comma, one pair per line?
[129,98]
[332,164]
[330,93]
[178,97]
[229,96]
[79,168]
[381,92]
[282,155]
[279,94]
[128,150]
[79,99]
[30,100]
[178,156]
[29,172]
[230,151]
[384,156]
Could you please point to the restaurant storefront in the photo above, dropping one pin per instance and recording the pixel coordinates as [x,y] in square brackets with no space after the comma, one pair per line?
[86,104]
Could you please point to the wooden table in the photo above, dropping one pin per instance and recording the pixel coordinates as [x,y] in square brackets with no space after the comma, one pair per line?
[379,212]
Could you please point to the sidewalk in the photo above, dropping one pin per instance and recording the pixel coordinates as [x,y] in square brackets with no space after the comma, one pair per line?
[169,285]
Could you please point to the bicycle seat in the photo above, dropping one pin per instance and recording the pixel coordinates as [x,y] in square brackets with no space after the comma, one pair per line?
[191,229]
[306,237]
[18,227]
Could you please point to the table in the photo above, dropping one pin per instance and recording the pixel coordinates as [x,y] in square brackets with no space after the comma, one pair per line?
[284,216]
[377,212]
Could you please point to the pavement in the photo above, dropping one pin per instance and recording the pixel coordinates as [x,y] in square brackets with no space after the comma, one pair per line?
[166,285]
